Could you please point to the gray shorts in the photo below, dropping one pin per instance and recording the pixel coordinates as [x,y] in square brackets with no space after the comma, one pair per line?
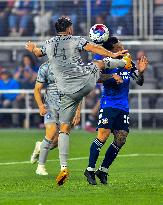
[70,102]
[52,116]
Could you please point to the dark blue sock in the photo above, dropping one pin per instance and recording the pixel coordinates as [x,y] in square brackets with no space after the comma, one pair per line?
[110,155]
[94,152]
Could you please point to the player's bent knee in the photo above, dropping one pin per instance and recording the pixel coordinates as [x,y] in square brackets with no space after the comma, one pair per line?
[51,131]
[65,128]
[120,137]
[121,142]
[103,134]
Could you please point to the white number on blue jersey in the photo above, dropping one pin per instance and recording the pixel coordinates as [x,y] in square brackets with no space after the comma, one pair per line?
[126,119]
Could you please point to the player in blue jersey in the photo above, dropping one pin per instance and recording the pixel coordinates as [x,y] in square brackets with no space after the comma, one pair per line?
[113,114]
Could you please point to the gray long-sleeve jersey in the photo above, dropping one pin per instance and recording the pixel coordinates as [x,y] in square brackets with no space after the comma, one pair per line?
[52,95]
[64,56]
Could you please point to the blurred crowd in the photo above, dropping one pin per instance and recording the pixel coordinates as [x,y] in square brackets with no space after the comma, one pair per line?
[36,17]
[22,77]
[27,18]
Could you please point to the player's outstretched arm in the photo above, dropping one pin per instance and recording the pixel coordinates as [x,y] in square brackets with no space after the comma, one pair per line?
[38,98]
[102,51]
[105,77]
[142,65]
[31,47]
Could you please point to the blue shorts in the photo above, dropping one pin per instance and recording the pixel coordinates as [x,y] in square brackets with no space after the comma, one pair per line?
[113,119]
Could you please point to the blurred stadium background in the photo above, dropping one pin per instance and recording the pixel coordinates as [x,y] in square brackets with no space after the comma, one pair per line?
[138,23]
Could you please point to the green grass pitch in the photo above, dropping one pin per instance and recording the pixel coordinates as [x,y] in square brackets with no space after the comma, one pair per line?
[136,177]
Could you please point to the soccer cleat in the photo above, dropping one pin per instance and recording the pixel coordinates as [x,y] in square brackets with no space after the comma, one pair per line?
[90,177]
[102,176]
[128,61]
[62,177]
[41,170]
[36,152]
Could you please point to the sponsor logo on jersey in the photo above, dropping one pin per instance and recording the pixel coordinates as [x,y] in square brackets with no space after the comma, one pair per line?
[125,75]
[105,121]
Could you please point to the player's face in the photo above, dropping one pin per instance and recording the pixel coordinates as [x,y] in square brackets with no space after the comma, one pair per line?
[4,76]
[26,61]
[117,47]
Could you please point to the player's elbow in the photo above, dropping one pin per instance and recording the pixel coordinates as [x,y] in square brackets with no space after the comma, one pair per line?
[89,47]
[140,83]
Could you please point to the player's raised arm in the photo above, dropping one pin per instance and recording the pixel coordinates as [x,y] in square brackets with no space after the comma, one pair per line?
[38,98]
[31,47]
[142,65]
[90,47]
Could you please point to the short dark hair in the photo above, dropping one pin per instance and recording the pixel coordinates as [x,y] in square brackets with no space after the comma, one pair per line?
[110,42]
[62,24]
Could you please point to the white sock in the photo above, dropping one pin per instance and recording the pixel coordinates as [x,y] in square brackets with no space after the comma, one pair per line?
[40,166]
[44,150]
[90,169]
[103,169]
[63,167]
[63,146]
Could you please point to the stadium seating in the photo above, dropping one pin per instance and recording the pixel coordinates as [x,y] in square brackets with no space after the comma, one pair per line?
[158,18]
[83,14]
[159,116]
[79,11]
[146,117]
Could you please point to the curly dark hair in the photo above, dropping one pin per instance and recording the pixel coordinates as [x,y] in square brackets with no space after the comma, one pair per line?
[110,42]
[62,24]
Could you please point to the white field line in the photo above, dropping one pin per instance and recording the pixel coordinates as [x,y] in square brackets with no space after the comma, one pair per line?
[83,158]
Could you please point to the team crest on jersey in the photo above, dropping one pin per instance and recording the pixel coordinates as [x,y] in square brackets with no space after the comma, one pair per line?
[48,116]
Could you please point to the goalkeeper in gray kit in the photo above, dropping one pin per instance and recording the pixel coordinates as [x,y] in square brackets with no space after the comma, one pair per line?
[74,79]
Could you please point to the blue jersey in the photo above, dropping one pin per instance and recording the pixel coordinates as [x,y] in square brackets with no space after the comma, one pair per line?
[116,95]
[9,85]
